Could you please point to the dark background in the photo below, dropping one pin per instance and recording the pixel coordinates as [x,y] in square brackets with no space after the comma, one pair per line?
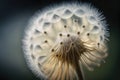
[14,17]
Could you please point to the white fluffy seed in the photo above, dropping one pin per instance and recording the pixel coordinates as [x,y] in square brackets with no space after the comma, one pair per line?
[64,26]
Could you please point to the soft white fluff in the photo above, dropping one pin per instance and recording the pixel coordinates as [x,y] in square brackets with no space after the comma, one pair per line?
[81,18]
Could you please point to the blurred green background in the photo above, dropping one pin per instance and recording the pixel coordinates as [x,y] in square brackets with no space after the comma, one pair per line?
[14,17]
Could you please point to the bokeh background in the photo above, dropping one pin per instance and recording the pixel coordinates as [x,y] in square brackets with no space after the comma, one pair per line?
[14,17]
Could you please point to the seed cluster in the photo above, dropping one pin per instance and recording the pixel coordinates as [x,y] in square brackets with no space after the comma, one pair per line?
[61,39]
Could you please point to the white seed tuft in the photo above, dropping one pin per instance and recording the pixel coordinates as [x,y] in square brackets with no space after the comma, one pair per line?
[60,39]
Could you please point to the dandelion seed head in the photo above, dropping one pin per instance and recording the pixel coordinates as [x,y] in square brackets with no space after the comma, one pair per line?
[61,39]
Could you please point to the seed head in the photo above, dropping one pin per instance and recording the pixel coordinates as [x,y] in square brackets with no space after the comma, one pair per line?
[66,37]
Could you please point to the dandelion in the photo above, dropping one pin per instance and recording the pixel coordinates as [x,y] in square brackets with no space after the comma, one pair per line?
[59,40]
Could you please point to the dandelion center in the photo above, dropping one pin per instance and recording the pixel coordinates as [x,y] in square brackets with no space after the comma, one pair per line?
[70,49]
